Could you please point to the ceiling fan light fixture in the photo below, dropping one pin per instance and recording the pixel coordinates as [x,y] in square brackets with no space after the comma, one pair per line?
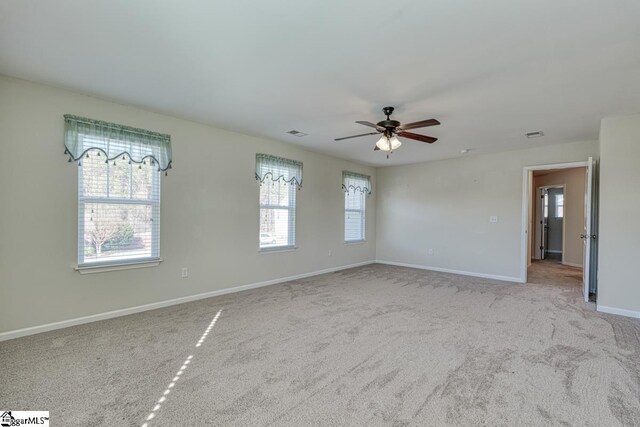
[388,144]
[383,143]
[395,143]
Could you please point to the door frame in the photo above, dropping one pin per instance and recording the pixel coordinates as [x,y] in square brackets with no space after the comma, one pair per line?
[527,182]
[539,212]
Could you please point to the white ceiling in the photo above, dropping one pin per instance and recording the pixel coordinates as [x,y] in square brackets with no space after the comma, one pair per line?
[488,70]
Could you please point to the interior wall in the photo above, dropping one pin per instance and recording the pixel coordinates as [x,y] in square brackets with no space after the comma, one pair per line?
[619,228]
[575,182]
[209,212]
[446,206]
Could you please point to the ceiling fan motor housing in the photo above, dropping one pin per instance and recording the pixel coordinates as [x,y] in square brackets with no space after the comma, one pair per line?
[388,124]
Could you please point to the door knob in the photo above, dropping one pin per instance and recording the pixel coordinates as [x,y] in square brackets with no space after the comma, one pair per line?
[582,236]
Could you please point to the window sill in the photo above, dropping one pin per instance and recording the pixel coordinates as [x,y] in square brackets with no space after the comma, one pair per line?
[102,268]
[355,242]
[266,251]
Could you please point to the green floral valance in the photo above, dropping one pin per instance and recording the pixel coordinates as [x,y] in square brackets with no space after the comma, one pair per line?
[352,181]
[278,168]
[138,145]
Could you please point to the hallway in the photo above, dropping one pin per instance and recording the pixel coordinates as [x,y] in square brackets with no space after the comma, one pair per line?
[550,272]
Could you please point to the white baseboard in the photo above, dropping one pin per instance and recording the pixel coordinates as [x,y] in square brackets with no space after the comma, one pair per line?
[618,311]
[572,264]
[554,252]
[448,270]
[131,310]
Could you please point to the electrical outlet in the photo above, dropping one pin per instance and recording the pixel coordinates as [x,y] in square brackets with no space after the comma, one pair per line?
[493,218]
[329,252]
[430,251]
[185,272]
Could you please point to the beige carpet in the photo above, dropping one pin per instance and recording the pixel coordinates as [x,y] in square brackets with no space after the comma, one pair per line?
[375,345]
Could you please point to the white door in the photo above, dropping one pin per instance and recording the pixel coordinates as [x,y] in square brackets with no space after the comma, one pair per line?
[587,236]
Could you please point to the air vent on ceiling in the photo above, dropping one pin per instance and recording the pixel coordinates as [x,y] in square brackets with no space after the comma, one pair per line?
[297,133]
[534,134]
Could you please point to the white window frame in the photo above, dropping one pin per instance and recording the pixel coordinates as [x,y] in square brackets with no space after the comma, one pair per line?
[363,216]
[291,221]
[355,185]
[154,202]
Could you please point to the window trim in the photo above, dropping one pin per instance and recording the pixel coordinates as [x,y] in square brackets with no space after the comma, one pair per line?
[130,265]
[276,249]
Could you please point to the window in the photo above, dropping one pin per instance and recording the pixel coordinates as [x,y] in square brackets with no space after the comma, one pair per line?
[356,189]
[279,181]
[559,205]
[118,211]
[118,190]
[277,215]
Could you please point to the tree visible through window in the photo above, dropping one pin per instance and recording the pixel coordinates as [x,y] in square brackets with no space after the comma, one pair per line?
[119,210]
[118,190]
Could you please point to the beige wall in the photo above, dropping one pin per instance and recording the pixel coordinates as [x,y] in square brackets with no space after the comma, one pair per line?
[446,205]
[574,181]
[209,212]
[618,278]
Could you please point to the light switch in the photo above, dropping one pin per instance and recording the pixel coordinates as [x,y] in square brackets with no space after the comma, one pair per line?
[493,218]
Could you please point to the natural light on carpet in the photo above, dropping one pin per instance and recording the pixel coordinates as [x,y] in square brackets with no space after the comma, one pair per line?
[184,366]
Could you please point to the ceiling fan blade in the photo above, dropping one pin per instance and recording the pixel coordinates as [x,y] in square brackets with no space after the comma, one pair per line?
[417,137]
[371,125]
[421,124]
[356,136]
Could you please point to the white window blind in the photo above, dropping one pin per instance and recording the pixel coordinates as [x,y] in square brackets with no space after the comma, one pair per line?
[118,190]
[279,181]
[118,211]
[356,188]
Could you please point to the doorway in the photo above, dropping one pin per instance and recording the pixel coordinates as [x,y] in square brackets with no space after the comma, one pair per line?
[558,240]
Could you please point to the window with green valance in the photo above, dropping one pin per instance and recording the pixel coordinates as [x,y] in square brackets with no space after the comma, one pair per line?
[274,168]
[355,182]
[83,135]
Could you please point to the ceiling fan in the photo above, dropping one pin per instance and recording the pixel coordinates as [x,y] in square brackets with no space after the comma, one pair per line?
[392,129]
